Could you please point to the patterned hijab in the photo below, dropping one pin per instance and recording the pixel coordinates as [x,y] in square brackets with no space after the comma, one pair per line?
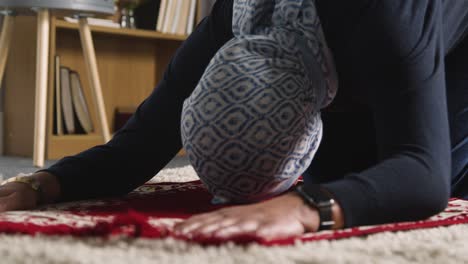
[252,125]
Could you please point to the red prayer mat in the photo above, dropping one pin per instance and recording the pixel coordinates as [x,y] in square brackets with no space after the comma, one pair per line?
[152,210]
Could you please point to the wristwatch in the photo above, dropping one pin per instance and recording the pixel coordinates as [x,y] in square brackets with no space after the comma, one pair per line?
[32,182]
[320,199]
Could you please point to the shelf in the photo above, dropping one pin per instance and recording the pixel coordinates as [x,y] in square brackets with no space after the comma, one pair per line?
[85,137]
[126,58]
[66,145]
[61,146]
[139,33]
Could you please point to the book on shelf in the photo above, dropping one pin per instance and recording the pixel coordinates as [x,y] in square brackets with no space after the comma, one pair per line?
[58,121]
[181,28]
[66,100]
[80,106]
[180,16]
[191,18]
[71,111]
[168,17]
[161,15]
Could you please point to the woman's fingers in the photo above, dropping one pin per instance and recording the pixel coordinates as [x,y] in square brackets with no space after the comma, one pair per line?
[8,203]
[243,227]
[4,199]
[209,228]
[3,204]
[197,221]
[4,192]
[17,196]
[276,218]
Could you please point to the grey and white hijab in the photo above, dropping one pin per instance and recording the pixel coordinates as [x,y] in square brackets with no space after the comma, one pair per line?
[252,125]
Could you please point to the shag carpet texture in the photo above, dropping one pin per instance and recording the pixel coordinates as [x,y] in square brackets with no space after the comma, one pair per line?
[434,245]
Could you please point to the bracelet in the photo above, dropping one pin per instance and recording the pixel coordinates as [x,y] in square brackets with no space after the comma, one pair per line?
[32,182]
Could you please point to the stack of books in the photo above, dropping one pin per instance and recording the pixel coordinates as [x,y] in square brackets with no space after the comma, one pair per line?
[176,16]
[71,111]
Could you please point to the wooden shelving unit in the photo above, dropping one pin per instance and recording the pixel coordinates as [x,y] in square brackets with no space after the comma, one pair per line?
[131,63]
[136,33]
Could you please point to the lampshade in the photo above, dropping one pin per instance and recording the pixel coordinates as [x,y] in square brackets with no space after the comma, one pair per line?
[85,6]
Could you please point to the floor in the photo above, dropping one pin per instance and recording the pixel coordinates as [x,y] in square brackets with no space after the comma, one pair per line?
[433,245]
[10,166]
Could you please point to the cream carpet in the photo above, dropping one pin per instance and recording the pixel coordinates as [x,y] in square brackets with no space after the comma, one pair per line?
[436,245]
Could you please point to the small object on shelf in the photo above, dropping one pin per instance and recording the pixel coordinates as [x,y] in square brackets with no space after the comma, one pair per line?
[95,22]
[127,18]
[127,12]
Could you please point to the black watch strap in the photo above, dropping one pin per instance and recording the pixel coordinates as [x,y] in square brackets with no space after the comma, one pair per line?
[315,196]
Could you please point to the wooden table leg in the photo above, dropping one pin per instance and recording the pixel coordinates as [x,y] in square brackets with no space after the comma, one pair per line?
[42,60]
[5,40]
[92,69]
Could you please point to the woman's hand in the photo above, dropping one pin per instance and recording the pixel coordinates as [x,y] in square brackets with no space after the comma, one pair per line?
[281,217]
[20,196]
[17,196]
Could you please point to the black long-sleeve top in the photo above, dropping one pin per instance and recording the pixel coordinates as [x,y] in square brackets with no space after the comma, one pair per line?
[389,56]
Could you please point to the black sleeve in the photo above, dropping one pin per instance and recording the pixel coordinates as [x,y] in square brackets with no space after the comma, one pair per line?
[393,59]
[151,137]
